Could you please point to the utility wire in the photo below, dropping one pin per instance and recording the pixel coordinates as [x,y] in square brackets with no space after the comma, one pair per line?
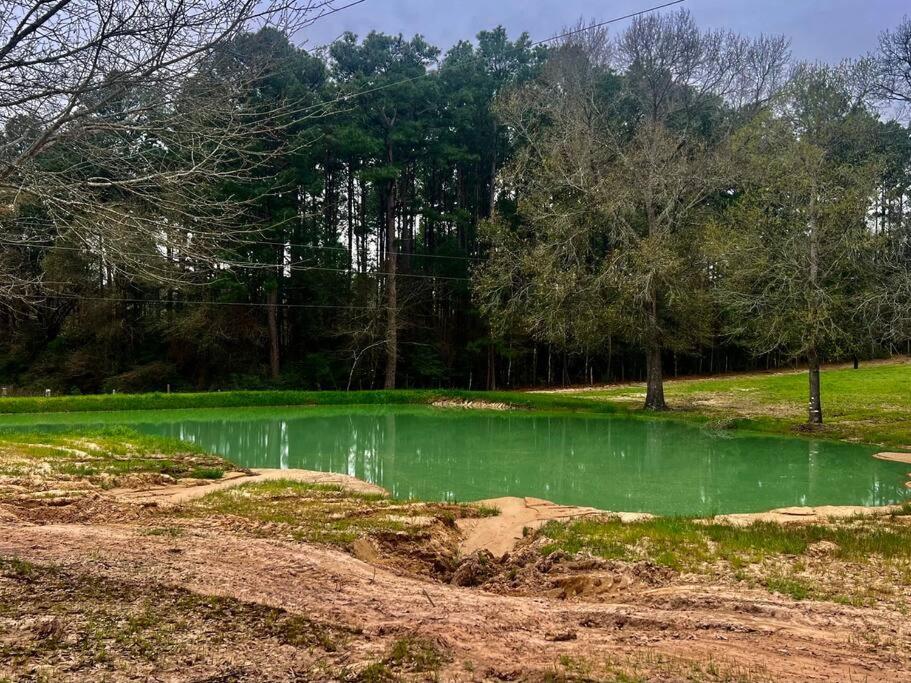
[609,21]
[378,88]
[238,243]
[199,302]
[294,266]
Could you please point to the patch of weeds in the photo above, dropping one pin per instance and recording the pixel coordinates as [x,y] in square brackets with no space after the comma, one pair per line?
[414,654]
[169,531]
[903,511]
[696,543]
[299,631]
[377,673]
[790,586]
[488,510]
[19,569]
[100,455]
[850,600]
[207,473]
[319,513]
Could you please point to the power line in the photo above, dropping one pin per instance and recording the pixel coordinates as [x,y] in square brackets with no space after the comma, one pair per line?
[321,15]
[378,88]
[298,266]
[415,254]
[609,21]
[250,243]
[199,302]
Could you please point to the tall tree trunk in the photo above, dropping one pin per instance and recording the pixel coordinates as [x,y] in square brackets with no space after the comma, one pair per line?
[815,406]
[654,393]
[491,368]
[392,341]
[274,338]
[350,221]
[492,194]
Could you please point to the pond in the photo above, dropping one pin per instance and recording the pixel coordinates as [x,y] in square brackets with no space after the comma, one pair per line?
[605,461]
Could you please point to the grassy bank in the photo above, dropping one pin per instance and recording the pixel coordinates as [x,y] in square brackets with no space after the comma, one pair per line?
[871,404]
[329,514]
[248,399]
[67,470]
[853,561]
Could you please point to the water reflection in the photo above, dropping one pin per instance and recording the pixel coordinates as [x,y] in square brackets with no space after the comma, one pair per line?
[616,463]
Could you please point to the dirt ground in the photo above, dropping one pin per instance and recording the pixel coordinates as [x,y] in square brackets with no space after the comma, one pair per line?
[115,589]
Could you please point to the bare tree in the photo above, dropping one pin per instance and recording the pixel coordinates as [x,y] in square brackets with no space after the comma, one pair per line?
[893,62]
[116,124]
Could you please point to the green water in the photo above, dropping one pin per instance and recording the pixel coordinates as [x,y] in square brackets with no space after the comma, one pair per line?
[605,461]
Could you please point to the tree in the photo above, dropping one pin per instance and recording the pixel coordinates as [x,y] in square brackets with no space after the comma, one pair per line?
[113,124]
[620,159]
[390,70]
[799,251]
[892,301]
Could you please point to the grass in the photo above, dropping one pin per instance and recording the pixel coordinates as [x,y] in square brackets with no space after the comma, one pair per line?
[324,513]
[411,654]
[871,404]
[103,455]
[794,560]
[686,544]
[249,399]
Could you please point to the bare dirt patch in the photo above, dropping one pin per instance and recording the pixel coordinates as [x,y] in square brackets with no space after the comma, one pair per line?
[498,534]
[723,632]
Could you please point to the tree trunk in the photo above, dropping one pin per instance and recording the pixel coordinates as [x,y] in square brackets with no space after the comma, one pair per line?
[392,349]
[491,368]
[815,407]
[654,394]
[274,339]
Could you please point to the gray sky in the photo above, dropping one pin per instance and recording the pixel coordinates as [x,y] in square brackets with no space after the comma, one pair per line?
[827,30]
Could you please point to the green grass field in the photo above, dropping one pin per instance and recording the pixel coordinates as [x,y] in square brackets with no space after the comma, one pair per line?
[872,404]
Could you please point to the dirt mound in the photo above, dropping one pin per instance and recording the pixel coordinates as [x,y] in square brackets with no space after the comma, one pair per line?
[528,571]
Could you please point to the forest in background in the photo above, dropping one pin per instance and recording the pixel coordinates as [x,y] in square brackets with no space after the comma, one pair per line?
[504,214]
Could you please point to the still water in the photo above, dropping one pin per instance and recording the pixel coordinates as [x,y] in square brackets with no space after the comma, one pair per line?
[609,462]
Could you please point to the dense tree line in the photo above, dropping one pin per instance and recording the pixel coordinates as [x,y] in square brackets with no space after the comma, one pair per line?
[668,200]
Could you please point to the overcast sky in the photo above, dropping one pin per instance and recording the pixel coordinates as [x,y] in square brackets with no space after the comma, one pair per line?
[827,30]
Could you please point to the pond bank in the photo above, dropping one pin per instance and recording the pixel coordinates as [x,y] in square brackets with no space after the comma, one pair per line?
[323,577]
[497,534]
